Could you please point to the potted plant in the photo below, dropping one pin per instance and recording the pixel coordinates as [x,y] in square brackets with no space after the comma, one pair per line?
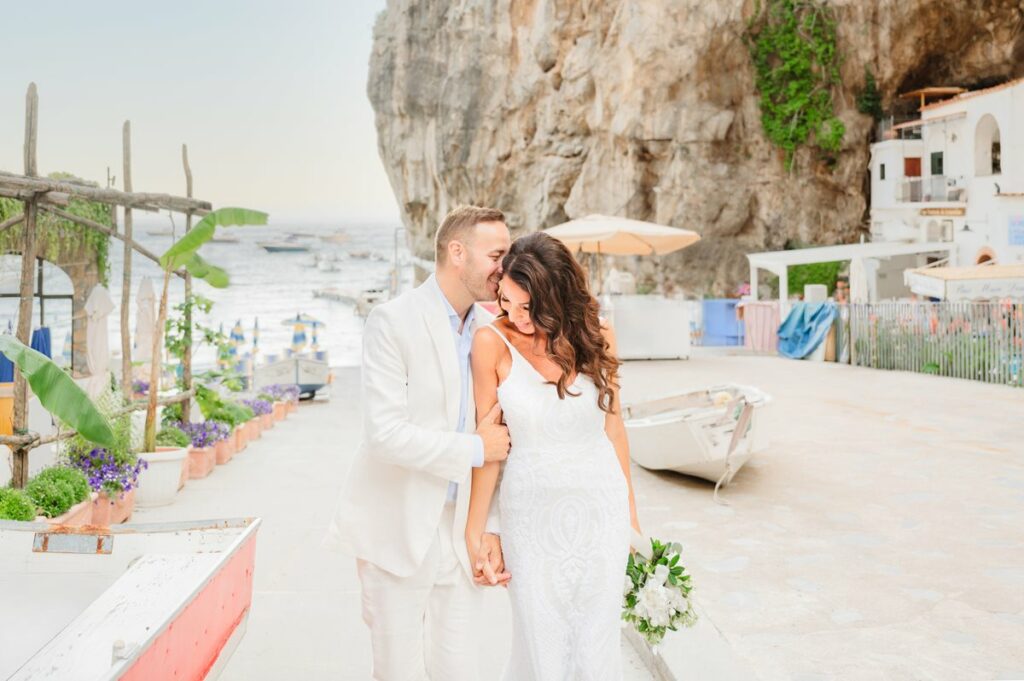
[172,437]
[204,437]
[263,406]
[15,505]
[62,496]
[257,424]
[113,471]
[159,482]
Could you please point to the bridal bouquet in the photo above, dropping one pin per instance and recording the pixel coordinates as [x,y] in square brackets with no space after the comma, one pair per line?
[657,592]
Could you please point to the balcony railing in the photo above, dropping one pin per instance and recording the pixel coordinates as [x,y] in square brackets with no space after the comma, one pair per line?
[925,189]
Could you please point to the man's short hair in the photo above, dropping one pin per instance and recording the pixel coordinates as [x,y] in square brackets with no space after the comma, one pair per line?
[458,225]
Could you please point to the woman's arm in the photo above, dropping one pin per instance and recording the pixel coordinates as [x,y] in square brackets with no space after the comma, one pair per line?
[485,356]
[616,431]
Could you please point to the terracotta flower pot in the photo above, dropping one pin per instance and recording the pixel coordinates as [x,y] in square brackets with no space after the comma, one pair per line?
[266,421]
[201,461]
[107,511]
[280,411]
[252,426]
[240,439]
[224,450]
[292,406]
[79,514]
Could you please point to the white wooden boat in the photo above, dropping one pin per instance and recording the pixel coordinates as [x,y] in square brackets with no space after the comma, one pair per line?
[709,433]
[308,372]
[283,246]
[136,601]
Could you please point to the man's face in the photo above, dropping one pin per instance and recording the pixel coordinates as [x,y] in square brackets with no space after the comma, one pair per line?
[479,267]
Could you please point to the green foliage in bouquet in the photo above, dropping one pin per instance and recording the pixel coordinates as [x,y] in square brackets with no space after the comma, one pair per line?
[657,593]
[16,505]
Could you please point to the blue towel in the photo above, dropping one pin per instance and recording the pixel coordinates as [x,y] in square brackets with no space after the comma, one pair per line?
[41,341]
[805,328]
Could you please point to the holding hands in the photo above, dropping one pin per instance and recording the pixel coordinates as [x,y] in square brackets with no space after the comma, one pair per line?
[487,560]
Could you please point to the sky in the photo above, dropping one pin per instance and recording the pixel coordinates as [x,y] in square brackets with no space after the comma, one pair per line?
[269,96]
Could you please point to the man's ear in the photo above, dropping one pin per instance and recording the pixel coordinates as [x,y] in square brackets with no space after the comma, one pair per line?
[456,251]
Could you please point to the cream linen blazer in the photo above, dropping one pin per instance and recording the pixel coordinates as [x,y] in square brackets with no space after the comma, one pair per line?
[389,510]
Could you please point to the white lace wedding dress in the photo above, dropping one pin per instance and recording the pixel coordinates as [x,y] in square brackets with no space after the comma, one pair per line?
[564,530]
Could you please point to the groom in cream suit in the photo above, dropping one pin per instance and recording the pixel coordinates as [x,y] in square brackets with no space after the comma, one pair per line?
[403,513]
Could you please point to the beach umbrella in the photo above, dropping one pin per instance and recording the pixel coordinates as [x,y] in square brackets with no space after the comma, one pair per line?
[97,342]
[256,337]
[145,321]
[607,235]
[237,338]
[302,318]
[314,346]
[298,335]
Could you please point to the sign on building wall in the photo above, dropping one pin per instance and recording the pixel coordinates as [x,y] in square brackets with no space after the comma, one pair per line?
[1016,229]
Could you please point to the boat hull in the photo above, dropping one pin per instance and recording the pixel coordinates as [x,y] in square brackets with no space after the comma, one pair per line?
[694,432]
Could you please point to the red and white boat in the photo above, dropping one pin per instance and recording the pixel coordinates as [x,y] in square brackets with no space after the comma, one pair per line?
[136,601]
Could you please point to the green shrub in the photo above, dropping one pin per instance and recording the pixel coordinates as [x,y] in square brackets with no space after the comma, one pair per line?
[15,505]
[52,498]
[172,414]
[74,479]
[172,437]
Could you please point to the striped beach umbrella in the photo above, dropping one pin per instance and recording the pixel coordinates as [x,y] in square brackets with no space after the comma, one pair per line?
[255,337]
[298,335]
[237,338]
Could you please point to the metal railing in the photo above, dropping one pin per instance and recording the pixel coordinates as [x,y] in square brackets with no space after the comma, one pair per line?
[976,341]
[932,188]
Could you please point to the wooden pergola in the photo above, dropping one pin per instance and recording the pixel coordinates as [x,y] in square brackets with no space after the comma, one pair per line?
[44,194]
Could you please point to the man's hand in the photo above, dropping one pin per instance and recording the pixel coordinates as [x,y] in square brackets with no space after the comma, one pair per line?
[495,435]
[489,563]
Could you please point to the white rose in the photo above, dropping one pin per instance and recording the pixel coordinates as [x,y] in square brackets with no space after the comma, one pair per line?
[661,574]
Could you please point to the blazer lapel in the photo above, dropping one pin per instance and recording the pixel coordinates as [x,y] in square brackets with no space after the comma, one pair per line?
[436,319]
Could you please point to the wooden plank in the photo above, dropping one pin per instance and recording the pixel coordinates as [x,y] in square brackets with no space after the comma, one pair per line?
[141,200]
[12,221]
[126,278]
[55,198]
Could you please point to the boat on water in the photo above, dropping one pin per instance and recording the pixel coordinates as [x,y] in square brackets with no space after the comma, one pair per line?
[709,433]
[224,239]
[310,371]
[362,301]
[302,235]
[160,231]
[335,238]
[286,245]
[133,601]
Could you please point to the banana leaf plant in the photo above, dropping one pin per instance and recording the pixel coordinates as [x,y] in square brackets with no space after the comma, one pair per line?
[57,392]
[184,253]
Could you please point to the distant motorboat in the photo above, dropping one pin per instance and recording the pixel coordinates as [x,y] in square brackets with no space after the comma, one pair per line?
[335,238]
[301,235]
[160,231]
[360,255]
[224,239]
[286,245]
[708,433]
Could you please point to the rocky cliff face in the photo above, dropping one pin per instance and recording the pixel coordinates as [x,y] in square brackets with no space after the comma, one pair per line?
[553,109]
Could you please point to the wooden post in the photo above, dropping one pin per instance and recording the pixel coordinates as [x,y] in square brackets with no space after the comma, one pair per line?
[28,261]
[186,360]
[126,279]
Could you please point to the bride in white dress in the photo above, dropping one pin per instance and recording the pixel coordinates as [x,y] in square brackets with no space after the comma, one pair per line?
[566,499]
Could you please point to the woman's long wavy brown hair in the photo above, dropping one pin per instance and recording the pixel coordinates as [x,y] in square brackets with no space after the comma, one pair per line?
[562,307]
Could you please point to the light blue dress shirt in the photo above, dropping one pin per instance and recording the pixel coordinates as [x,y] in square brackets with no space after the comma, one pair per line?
[463,344]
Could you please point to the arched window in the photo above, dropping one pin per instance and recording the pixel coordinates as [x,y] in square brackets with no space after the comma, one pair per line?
[987,157]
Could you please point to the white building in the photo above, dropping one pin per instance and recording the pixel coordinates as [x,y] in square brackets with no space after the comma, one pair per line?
[956,175]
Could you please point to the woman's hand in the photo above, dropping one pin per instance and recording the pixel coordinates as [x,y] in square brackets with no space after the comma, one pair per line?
[486,559]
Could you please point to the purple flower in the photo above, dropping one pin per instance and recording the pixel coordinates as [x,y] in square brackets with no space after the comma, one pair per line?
[259,407]
[105,473]
[283,392]
[205,433]
[140,387]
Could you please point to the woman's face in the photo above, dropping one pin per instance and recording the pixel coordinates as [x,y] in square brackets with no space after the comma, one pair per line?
[516,303]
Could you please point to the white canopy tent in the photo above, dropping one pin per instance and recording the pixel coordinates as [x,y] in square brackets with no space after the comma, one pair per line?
[778,262]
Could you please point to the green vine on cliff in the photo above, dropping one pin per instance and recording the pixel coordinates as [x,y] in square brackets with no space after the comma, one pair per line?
[792,44]
[59,237]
